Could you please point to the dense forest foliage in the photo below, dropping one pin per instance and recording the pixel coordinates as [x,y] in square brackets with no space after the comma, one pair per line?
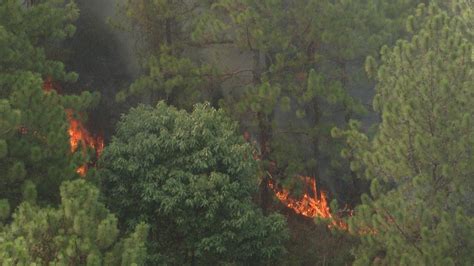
[236,132]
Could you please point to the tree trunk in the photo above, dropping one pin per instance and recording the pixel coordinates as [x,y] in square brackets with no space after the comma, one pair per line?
[264,128]
[315,139]
[264,140]
[169,39]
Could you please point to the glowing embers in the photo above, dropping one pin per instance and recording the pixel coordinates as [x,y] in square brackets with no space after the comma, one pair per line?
[310,204]
[79,135]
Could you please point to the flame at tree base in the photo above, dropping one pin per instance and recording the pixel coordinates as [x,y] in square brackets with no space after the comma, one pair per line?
[309,205]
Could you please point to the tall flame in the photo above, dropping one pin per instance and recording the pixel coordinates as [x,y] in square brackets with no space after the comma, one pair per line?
[79,135]
[309,205]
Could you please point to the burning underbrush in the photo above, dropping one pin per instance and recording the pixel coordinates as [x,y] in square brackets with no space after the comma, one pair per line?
[313,203]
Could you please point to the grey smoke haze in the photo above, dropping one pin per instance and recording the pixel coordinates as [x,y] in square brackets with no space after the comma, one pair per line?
[229,59]
[105,10]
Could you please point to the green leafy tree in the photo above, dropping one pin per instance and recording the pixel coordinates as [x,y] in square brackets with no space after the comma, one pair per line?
[419,211]
[81,231]
[303,62]
[191,177]
[36,146]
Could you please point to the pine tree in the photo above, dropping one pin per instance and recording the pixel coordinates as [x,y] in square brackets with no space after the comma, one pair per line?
[464,9]
[307,58]
[165,32]
[191,177]
[326,38]
[419,211]
[81,231]
[36,146]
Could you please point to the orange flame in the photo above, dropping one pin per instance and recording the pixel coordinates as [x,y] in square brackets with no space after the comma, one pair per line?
[309,205]
[79,135]
[82,170]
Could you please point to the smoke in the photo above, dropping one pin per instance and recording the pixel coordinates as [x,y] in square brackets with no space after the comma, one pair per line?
[103,11]
[106,61]
[104,58]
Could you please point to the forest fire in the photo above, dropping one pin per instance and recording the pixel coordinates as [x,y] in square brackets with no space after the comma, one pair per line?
[79,135]
[309,205]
